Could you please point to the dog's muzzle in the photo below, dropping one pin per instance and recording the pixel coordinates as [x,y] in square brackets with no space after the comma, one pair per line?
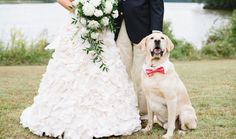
[157,51]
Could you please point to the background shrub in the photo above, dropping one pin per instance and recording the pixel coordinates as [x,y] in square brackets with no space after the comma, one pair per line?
[222,42]
[218,4]
[18,51]
[183,50]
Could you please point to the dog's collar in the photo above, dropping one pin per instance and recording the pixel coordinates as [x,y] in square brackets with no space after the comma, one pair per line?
[162,68]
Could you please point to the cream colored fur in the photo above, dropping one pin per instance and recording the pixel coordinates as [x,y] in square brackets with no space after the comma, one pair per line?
[165,94]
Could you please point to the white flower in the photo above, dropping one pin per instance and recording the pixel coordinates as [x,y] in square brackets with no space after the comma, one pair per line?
[93,24]
[105,21]
[83,21]
[98,13]
[108,7]
[94,35]
[84,32]
[75,2]
[83,1]
[112,1]
[95,3]
[88,9]
[115,14]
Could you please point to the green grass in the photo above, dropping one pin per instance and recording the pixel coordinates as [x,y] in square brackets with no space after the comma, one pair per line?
[211,85]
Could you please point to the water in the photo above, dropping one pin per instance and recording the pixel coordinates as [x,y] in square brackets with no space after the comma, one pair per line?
[32,19]
[189,20]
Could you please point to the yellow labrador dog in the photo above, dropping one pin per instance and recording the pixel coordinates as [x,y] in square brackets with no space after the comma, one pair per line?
[165,93]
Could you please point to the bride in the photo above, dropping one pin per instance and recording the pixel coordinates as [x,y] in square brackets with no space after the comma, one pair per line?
[76,99]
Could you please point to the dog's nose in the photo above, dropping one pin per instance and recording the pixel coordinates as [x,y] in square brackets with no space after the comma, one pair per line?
[157,42]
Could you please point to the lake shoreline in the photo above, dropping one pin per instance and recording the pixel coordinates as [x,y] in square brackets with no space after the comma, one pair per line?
[37,18]
[53,1]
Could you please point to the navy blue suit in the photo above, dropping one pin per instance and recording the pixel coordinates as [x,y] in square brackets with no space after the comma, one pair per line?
[141,17]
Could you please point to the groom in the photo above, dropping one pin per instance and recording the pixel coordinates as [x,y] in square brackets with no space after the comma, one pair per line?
[137,19]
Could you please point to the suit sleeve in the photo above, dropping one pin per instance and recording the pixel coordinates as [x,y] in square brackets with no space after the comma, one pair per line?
[157,14]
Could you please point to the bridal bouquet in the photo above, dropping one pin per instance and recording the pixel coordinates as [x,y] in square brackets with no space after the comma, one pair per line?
[96,16]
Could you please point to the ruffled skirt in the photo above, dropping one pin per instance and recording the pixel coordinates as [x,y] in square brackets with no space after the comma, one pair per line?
[76,99]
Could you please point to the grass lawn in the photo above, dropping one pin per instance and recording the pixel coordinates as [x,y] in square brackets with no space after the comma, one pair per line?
[211,85]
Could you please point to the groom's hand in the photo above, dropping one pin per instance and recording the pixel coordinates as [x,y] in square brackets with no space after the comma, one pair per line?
[156,31]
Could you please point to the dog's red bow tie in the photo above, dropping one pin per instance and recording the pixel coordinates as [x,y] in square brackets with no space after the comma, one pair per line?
[150,71]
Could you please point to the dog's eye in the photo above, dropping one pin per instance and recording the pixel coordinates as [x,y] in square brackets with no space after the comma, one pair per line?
[151,38]
[162,38]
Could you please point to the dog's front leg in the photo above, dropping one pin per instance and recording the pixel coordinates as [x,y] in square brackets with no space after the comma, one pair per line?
[150,116]
[171,106]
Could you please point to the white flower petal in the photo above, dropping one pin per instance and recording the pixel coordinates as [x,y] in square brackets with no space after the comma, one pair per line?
[93,24]
[95,3]
[105,21]
[94,35]
[88,9]
[83,21]
[108,7]
[115,14]
[98,13]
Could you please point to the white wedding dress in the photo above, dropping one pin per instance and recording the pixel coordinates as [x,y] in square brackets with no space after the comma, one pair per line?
[76,99]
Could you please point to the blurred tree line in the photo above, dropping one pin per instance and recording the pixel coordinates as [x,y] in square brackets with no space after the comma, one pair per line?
[178,0]
[222,41]
[27,1]
[48,1]
[218,4]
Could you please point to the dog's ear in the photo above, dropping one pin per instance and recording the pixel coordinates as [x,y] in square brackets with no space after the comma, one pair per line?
[142,44]
[170,45]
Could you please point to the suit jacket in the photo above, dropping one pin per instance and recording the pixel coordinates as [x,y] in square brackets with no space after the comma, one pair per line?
[141,17]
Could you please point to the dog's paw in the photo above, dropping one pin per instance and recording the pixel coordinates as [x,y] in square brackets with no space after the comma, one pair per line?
[181,132]
[165,126]
[144,117]
[147,128]
[166,136]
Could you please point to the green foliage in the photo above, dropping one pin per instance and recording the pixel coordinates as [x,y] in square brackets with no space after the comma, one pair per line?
[222,42]
[94,26]
[183,50]
[19,52]
[218,4]
[27,1]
